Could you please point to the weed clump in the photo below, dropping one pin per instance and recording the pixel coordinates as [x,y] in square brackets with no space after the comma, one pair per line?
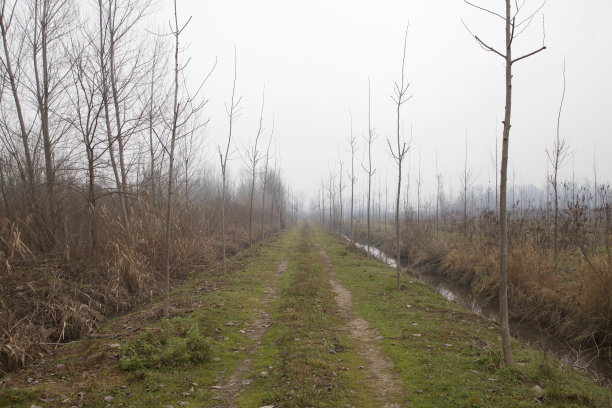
[170,345]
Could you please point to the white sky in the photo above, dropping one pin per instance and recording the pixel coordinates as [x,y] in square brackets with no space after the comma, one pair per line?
[315,57]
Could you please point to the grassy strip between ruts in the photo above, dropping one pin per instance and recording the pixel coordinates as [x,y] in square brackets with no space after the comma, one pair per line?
[310,360]
[159,362]
[447,356]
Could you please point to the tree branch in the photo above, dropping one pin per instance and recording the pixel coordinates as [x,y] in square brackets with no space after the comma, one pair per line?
[485,10]
[488,48]
[529,55]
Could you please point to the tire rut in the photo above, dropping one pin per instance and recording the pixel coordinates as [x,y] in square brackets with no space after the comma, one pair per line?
[384,383]
[228,392]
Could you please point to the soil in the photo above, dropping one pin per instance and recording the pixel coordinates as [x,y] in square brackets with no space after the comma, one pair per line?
[384,382]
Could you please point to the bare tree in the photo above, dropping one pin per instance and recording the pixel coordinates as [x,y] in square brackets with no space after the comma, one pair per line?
[331,194]
[322,202]
[233,111]
[252,159]
[400,151]
[122,76]
[511,24]
[51,23]
[184,123]
[466,182]
[369,140]
[153,113]
[340,190]
[12,67]
[418,183]
[87,109]
[352,150]
[176,31]
[439,194]
[4,187]
[264,183]
[557,157]
[595,195]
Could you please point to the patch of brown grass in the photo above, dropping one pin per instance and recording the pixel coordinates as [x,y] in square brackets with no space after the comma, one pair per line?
[47,299]
[570,297]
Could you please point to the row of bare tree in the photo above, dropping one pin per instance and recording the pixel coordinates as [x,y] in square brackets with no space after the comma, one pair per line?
[103,179]
[515,18]
[97,116]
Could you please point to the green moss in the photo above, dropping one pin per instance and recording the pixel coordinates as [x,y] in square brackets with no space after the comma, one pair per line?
[16,397]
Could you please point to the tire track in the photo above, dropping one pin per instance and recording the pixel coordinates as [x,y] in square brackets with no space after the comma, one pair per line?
[384,382]
[228,392]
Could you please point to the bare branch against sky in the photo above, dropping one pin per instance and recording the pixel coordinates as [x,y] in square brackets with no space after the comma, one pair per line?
[313,76]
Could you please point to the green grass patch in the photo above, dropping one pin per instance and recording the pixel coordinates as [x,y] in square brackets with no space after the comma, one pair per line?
[310,360]
[173,344]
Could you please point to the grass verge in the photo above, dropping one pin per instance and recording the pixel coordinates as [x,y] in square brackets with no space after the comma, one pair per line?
[138,360]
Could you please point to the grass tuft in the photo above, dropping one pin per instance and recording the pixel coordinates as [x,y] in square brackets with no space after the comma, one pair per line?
[170,345]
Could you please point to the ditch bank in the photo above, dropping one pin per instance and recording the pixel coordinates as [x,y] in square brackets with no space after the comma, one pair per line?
[585,357]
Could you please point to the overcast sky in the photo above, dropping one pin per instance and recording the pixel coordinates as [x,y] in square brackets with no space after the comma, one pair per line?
[315,58]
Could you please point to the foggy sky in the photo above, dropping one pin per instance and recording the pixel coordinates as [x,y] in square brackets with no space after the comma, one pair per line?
[315,58]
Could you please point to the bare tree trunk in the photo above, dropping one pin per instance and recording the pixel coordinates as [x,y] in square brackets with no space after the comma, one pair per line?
[353,144]
[231,114]
[439,181]
[595,193]
[119,137]
[419,197]
[24,133]
[559,155]
[151,124]
[330,191]
[253,159]
[340,188]
[109,133]
[503,252]
[42,21]
[175,113]
[263,189]
[398,155]
[4,190]
[510,25]
[466,181]
[369,170]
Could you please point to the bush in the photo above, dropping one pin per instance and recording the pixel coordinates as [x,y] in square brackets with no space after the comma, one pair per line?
[169,346]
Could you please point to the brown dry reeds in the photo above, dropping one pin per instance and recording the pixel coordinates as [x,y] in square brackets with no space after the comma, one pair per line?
[50,299]
[571,297]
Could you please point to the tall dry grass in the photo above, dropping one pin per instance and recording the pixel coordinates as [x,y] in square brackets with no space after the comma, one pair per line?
[571,296]
[52,298]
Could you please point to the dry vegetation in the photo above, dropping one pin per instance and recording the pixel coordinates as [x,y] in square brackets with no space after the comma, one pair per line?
[569,295]
[56,297]
[86,123]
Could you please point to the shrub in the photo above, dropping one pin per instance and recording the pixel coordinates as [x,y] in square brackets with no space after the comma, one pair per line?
[168,346]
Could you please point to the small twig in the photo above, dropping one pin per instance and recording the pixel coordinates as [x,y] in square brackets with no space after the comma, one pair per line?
[529,55]
[485,10]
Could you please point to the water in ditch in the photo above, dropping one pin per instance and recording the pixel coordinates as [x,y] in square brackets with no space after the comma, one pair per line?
[589,361]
